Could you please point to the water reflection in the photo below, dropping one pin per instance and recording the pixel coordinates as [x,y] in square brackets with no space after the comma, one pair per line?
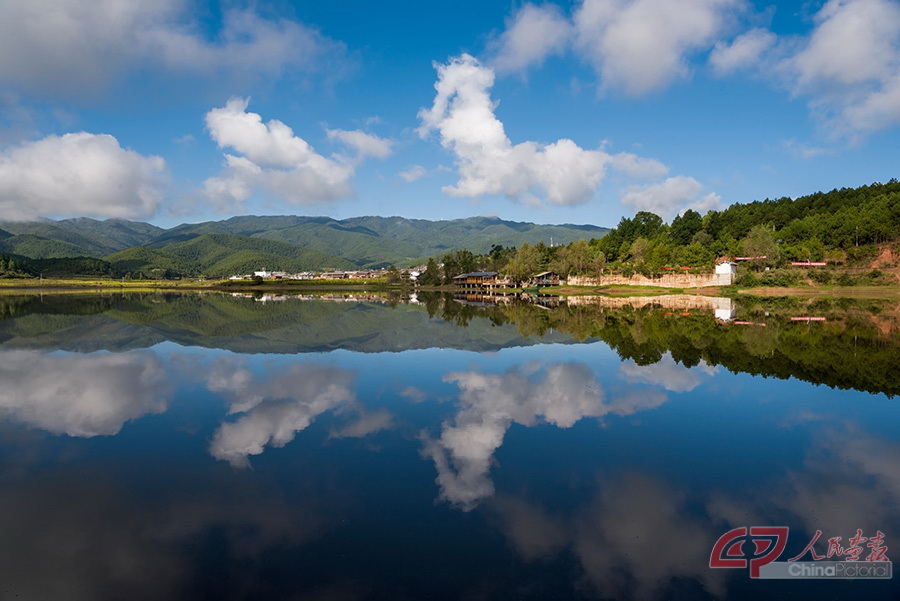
[557,394]
[276,405]
[604,467]
[668,374]
[632,539]
[81,395]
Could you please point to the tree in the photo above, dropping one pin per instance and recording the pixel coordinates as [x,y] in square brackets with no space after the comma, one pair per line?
[685,226]
[760,242]
[432,275]
[639,250]
[581,257]
[393,275]
[458,263]
[524,264]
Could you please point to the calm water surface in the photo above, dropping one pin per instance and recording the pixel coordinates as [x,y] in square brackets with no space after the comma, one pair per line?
[232,447]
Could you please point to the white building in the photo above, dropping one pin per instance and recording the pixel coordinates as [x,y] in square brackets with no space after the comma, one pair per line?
[726,268]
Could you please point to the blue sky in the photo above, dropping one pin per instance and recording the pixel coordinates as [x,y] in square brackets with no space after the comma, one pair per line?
[569,112]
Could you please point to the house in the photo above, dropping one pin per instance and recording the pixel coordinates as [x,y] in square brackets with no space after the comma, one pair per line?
[726,267]
[477,280]
[545,278]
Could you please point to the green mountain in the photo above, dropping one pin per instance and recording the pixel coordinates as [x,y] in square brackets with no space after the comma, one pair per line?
[224,254]
[83,237]
[383,241]
[38,247]
[292,243]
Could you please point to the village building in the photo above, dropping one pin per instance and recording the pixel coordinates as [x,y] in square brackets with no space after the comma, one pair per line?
[477,281]
[726,267]
[545,278]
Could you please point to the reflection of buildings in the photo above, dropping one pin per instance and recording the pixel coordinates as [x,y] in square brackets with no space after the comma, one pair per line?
[483,300]
[725,314]
[722,307]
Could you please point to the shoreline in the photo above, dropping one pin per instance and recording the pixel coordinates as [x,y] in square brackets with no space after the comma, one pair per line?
[50,286]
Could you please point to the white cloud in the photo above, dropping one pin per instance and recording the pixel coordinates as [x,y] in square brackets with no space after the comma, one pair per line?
[746,50]
[531,35]
[71,48]
[847,67]
[670,197]
[366,145]
[638,167]
[415,172]
[80,395]
[278,163]
[79,174]
[850,64]
[488,163]
[638,46]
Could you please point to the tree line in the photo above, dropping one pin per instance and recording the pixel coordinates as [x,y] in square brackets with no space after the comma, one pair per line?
[842,226]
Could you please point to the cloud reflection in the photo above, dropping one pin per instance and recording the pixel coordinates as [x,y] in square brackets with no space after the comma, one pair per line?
[632,540]
[81,395]
[668,374]
[276,406]
[560,394]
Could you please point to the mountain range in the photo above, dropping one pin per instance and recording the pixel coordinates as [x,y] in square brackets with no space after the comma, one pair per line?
[290,243]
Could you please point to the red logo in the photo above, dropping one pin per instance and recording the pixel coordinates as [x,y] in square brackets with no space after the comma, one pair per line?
[768,544]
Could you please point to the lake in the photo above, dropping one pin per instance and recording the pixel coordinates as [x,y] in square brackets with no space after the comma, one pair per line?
[341,447]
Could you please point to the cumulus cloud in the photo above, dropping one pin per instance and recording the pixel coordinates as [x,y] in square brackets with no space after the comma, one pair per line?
[79,174]
[531,35]
[638,167]
[847,67]
[365,145]
[488,163]
[80,395]
[69,48]
[850,64]
[744,51]
[277,162]
[668,374]
[560,394]
[415,172]
[638,46]
[670,197]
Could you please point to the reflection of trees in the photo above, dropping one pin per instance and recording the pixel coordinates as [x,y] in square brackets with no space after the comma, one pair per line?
[845,352]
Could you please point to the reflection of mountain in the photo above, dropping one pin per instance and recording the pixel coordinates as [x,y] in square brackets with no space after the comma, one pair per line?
[852,349]
[118,322]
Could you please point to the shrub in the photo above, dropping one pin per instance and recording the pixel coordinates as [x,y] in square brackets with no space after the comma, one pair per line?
[821,276]
[747,279]
[844,280]
[780,277]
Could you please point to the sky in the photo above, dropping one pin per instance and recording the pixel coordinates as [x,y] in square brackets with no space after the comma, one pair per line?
[580,112]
